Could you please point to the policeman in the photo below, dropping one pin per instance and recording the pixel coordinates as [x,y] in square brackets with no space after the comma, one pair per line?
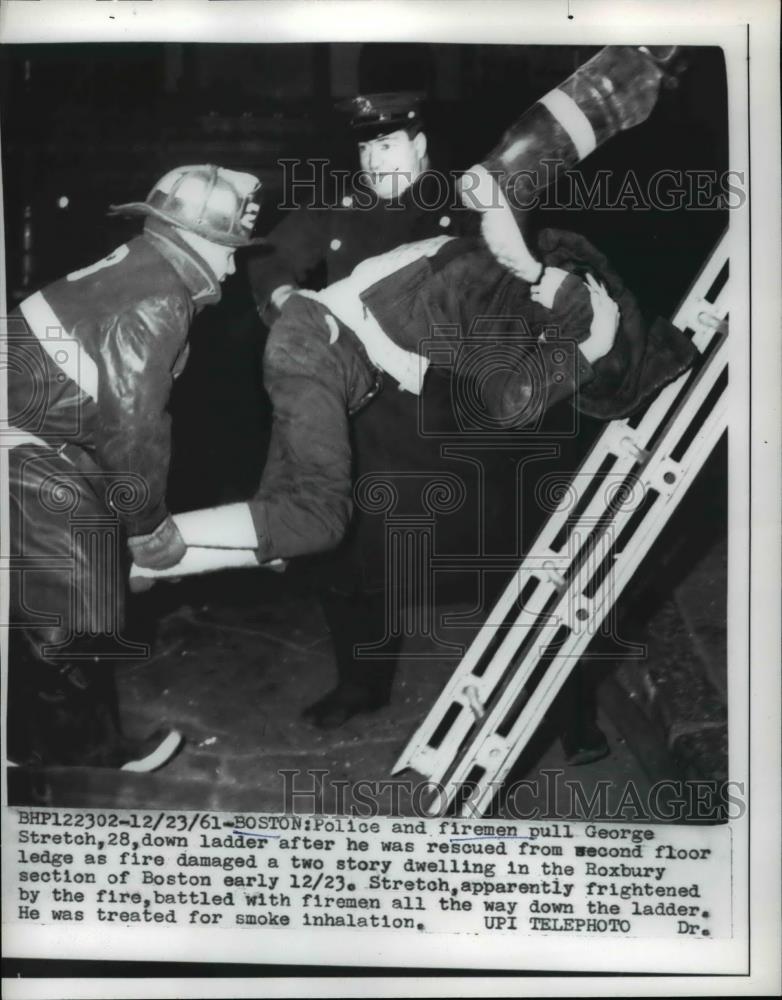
[396,199]
[91,363]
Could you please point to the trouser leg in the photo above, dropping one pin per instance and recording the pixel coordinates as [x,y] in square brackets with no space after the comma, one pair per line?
[304,501]
[62,714]
[574,714]
[67,615]
[67,715]
[364,682]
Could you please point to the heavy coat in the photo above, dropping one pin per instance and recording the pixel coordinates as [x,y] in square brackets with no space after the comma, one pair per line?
[92,358]
[528,362]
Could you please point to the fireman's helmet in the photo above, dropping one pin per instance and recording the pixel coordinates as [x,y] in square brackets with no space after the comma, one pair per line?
[220,205]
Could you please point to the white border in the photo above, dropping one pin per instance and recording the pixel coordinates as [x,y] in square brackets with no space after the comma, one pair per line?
[518,21]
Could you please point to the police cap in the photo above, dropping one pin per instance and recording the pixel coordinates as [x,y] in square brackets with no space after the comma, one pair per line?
[373,115]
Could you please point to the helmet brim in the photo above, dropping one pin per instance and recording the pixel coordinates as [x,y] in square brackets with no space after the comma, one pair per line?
[143,208]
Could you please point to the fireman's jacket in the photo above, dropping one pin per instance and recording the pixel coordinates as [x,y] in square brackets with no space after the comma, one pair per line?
[93,357]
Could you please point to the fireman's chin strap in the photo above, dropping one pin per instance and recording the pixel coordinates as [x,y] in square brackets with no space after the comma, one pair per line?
[195,272]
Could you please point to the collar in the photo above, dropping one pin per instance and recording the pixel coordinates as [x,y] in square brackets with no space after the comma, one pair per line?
[407,367]
[420,194]
[198,277]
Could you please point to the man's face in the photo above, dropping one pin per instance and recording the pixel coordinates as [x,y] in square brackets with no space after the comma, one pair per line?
[392,162]
[219,258]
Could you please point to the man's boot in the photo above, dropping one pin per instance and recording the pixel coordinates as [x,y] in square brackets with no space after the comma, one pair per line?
[363,685]
[66,715]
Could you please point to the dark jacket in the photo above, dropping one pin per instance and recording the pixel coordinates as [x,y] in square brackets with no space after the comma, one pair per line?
[437,307]
[130,313]
[323,245]
[463,284]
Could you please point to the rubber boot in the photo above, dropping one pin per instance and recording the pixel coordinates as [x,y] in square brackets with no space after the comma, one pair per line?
[66,715]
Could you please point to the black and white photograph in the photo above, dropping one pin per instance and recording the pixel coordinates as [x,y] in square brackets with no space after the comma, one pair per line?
[383,420]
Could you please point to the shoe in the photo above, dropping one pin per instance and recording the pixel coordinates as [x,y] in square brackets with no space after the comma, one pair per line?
[585,746]
[346,700]
[72,721]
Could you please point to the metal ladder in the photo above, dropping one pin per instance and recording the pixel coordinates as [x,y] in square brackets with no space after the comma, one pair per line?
[624,493]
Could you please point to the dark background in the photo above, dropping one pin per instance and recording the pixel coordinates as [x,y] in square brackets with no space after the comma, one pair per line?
[99,123]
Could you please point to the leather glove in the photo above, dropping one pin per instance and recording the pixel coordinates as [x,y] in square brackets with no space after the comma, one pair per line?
[161,549]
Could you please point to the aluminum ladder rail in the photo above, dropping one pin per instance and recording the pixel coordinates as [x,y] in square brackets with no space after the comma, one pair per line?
[575,571]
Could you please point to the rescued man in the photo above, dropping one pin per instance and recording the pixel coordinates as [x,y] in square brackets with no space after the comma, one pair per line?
[92,358]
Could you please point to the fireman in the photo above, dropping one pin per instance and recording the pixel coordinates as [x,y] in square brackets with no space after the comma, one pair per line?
[92,358]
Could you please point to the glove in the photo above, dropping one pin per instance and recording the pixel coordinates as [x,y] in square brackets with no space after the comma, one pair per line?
[163,548]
